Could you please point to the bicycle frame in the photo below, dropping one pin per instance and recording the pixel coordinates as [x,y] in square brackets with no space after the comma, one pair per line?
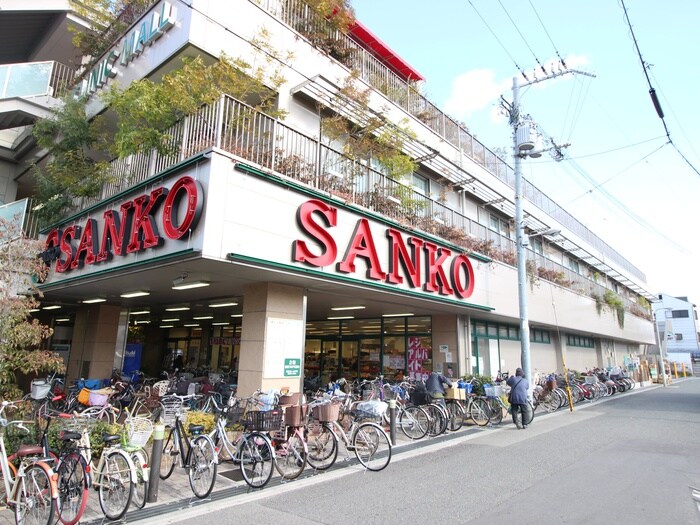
[13,483]
[180,435]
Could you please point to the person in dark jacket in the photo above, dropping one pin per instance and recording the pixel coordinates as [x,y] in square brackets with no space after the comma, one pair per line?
[520,407]
[435,385]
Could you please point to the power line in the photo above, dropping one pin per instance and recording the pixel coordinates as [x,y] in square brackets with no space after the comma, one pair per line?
[522,72]
[652,91]
[561,60]
[523,37]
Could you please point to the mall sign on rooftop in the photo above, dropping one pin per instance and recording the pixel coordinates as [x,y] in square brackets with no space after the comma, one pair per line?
[151,28]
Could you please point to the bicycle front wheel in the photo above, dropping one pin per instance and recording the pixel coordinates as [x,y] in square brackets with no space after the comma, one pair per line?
[140,460]
[438,420]
[202,466]
[34,504]
[479,411]
[72,488]
[322,444]
[114,483]
[495,411]
[455,415]
[169,456]
[256,460]
[414,422]
[290,457]
[372,446]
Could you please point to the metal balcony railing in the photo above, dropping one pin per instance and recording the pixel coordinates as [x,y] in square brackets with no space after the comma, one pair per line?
[301,18]
[20,219]
[264,142]
[34,79]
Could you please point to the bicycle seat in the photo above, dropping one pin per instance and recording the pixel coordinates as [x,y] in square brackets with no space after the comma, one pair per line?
[111,438]
[196,429]
[69,435]
[30,450]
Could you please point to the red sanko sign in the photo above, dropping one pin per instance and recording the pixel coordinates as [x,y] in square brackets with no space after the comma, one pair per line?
[417,262]
[132,229]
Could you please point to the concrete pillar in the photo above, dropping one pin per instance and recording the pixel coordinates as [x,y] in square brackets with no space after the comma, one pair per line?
[95,336]
[272,334]
[445,349]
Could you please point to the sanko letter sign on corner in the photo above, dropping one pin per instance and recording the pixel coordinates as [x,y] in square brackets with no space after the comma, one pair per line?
[132,228]
[151,28]
[396,259]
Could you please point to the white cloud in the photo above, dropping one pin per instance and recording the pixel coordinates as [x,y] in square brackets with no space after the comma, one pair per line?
[474,91]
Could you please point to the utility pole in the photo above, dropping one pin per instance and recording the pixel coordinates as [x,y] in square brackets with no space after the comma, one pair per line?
[520,151]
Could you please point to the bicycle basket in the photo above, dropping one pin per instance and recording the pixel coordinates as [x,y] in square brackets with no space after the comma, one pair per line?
[493,391]
[96,398]
[264,420]
[295,416]
[172,407]
[40,389]
[233,415]
[326,412]
[290,399]
[138,431]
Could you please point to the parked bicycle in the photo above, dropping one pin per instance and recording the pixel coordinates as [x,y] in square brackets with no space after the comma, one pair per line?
[29,489]
[252,450]
[197,455]
[359,434]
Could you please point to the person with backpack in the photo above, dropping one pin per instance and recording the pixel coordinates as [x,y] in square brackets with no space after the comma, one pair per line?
[520,407]
[435,385]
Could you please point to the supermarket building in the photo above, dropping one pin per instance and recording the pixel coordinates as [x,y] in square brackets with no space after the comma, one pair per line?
[264,250]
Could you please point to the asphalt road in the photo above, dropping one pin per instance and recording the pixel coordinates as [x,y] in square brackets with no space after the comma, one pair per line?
[627,460]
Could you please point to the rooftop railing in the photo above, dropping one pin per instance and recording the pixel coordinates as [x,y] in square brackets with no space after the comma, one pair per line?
[268,144]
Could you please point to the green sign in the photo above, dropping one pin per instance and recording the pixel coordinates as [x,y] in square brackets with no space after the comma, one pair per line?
[292,367]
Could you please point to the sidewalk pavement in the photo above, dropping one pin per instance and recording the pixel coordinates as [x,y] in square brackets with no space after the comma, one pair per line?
[175,494]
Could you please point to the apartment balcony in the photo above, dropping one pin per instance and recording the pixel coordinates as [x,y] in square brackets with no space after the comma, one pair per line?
[262,143]
[405,93]
[29,90]
[18,218]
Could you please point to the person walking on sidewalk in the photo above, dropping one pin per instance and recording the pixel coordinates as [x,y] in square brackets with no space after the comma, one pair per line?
[520,408]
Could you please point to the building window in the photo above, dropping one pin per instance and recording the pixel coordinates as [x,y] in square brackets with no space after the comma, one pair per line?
[537,245]
[679,337]
[499,225]
[539,336]
[579,340]
[421,184]
[572,264]
[676,314]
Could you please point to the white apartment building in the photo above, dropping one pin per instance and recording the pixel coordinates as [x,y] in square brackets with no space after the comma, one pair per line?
[263,249]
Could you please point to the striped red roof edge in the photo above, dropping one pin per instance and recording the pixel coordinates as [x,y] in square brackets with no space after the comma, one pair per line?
[361,33]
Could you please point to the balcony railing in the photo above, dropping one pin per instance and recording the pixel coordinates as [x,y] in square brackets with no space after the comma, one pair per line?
[20,219]
[298,15]
[263,142]
[34,79]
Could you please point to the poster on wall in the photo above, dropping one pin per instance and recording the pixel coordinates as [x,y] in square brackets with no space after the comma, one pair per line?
[284,343]
[416,355]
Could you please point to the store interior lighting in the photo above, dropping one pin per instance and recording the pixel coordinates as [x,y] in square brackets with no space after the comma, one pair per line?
[220,305]
[136,293]
[342,308]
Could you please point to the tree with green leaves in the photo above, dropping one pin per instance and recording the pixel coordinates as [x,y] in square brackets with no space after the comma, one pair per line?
[72,171]
[20,335]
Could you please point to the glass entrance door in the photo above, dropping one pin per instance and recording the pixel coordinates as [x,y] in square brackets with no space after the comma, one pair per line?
[349,361]
[330,352]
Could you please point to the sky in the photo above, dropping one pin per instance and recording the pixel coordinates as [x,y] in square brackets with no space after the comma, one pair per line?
[620,177]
